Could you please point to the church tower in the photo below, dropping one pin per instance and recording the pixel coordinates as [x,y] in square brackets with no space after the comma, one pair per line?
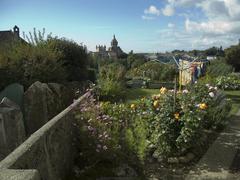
[16,30]
[114,42]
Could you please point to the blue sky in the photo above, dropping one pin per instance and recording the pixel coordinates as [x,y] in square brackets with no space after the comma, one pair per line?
[139,25]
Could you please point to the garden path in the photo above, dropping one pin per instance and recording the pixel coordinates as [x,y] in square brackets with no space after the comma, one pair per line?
[222,160]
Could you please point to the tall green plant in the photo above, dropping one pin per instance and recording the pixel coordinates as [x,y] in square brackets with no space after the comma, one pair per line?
[111,81]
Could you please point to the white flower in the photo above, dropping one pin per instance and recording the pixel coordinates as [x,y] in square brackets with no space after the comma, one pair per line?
[216,88]
[105,148]
[185,91]
[207,85]
[211,94]
[211,88]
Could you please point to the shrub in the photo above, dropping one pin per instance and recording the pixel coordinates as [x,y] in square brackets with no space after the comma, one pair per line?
[74,58]
[43,59]
[232,56]
[230,82]
[219,68]
[28,63]
[154,71]
[168,123]
[111,82]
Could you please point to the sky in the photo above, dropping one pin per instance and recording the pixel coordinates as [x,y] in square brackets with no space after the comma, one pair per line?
[139,25]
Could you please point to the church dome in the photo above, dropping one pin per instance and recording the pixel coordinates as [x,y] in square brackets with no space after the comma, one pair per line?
[114,41]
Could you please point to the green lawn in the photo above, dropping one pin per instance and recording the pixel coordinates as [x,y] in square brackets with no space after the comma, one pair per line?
[134,94]
[235,97]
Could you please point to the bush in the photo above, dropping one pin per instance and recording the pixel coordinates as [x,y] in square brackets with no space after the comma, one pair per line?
[230,82]
[27,63]
[154,71]
[162,123]
[43,59]
[111,82]
[219,68]
[232,57]
[74,58]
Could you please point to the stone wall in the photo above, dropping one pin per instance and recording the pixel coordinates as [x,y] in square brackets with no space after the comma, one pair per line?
[48,151]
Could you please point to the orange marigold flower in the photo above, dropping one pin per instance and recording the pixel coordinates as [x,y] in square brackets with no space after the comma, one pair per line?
[203,106]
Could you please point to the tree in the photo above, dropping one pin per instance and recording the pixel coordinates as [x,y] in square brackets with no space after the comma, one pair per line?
[29,62]
[232,57]
[74,58]
[135,60]
[154,71]
[219,67]
[211,51]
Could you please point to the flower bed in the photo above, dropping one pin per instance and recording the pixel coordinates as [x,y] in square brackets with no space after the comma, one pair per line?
[231,82]
[165,125]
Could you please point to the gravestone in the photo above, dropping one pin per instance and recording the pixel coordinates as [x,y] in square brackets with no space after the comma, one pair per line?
[12,131]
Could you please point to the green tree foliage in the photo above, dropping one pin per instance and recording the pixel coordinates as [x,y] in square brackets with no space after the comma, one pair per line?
[214,51]
[219,68]
[74,58]
[45,59]
[232,56]
[154,71]
[111,81]
[29,62]
[211,51]
[135,60]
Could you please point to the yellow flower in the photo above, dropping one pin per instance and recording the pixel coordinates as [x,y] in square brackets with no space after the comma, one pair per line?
[163,90]
[156,104]
[133,106]
[203,106]
[143,99]
[177,116]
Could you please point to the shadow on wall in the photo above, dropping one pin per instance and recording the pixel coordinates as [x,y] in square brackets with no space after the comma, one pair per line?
[47,154]
[21,114]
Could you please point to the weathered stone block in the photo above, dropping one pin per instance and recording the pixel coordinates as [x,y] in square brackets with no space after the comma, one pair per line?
[42,102]
[6,174]
[12,131]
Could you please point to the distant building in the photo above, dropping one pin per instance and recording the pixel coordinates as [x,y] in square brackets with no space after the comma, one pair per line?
[112,52]
[210,58]
[9,37]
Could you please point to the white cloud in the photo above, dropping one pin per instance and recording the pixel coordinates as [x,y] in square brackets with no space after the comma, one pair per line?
[147,17]
[213,27]
[168,10]
[223,17]
[207,23]
[233,7]
[152,10]
[214,9]
[171,25]
[184,3]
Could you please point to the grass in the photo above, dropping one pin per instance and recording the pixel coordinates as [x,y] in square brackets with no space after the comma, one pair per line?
[235,98]
[133,95]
